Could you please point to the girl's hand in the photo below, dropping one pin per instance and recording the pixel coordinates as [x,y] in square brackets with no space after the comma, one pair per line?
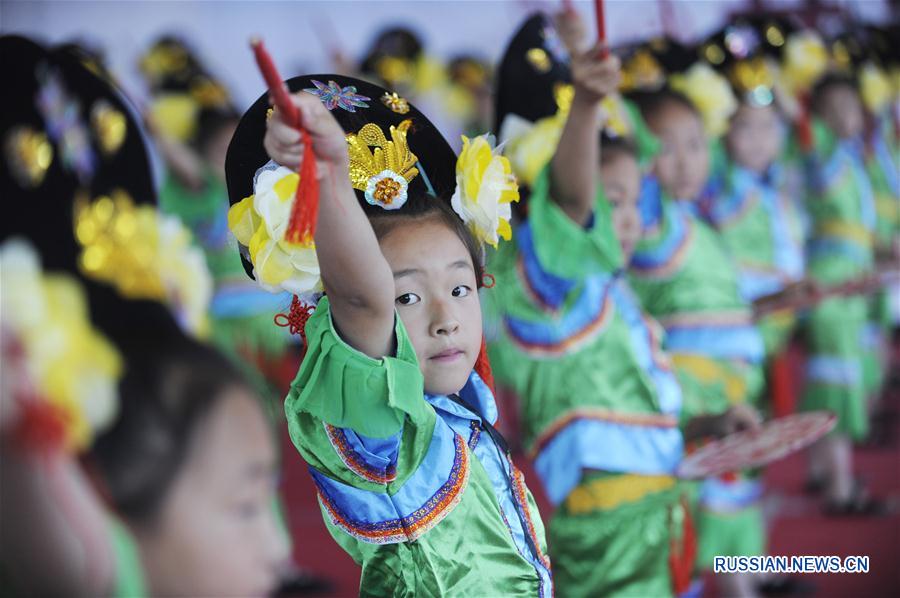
[283,144]
[740,417]
[571,29]
[595,78]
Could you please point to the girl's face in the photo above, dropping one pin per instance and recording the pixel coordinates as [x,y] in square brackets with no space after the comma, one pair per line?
[217,534]
[682,165]
[755,137]
[621,178]
[841,109]
[437,300]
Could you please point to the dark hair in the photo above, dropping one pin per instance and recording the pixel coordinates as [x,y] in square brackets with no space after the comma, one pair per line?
[210,123]
[423,207]
[398,42]
[651,102]
[826,84]
[611,146]
[165,393]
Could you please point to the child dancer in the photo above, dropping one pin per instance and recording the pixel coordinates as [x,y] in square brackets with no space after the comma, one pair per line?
[758,221]
[600,405]
[685,278]
[842,211]
[391,406]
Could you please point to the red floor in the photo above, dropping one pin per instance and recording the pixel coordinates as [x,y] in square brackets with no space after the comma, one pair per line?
[796,527]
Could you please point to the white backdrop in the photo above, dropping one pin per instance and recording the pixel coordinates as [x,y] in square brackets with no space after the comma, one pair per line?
[299,32]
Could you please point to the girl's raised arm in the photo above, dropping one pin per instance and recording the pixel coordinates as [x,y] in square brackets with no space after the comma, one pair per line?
[357,278]
[575,163]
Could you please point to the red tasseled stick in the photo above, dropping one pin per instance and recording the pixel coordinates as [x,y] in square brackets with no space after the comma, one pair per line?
[601,27]
[681,562]
[305,210]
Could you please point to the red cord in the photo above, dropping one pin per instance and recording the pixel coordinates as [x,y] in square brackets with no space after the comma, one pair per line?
[305,210]
[295,320]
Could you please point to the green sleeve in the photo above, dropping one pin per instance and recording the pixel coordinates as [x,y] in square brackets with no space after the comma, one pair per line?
[379,399]
[564,248]
[346,388]
[129,582]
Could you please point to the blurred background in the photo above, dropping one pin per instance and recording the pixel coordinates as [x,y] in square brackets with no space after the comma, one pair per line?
[304,35]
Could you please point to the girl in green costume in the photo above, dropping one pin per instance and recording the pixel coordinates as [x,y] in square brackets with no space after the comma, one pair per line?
[686,279]
[181,508]
[842,210]
[601,408]
[758,221]
[392,406]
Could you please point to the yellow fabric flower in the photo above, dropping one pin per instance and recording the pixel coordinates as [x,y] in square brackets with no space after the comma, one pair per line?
[875,88]
[615,116]
[163,59]
[530,146]
[485,187]
[73,366]
[805,60]
[259,222]
[710,93]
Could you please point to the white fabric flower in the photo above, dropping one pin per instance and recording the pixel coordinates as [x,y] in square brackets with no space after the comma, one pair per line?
[260,221]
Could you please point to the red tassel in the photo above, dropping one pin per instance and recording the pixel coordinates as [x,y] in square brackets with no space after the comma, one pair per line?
[305,210]
[41,427]
[681,562]
[483,366]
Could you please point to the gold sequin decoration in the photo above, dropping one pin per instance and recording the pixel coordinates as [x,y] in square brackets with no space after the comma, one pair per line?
[395,102]
[750,74]
[119,243]
[394,70]
[110,126]
[164,59]
[774,36]
[538,58]
[393,155]
[563,94]
[208,93]
[841,55]
[713,54]
[386,191]
[29,154]
[642,71]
